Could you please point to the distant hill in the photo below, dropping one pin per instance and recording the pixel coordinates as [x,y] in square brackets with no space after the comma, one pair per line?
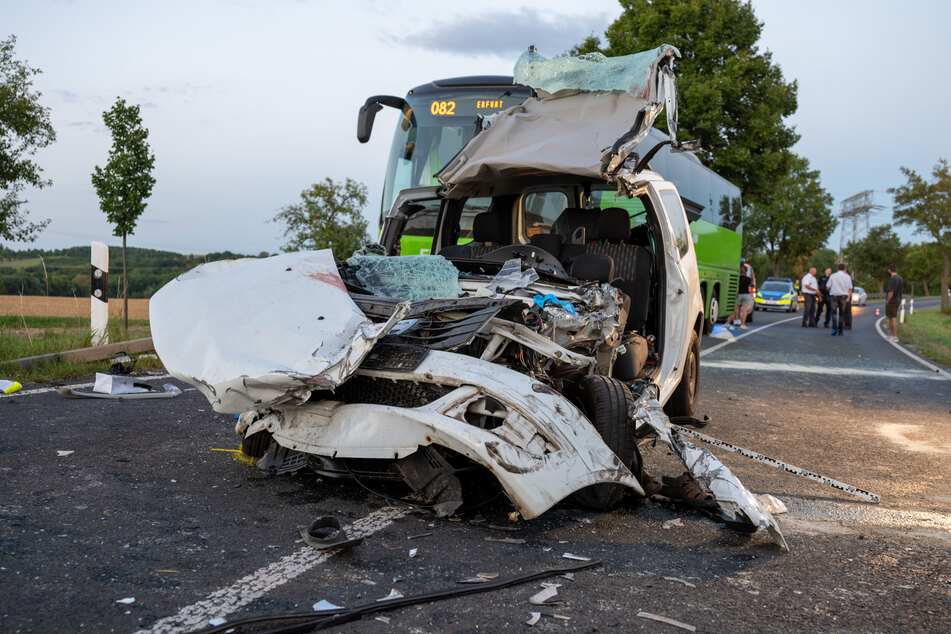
[66,272]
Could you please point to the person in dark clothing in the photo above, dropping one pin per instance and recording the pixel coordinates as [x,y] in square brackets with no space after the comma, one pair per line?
[744,298]
[892,301]
[824,301]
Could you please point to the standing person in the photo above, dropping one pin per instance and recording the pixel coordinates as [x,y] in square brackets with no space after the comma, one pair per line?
[848,306]
[744,297]
[810,288]
[745,267]
[840,291]
[892,301]
[825,303]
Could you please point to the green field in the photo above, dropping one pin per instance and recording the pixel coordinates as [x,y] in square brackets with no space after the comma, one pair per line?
[928,332]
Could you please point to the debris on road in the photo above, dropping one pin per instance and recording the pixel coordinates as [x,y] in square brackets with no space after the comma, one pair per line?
[679,580]
[413,552]
[772,503]
[62,453]
[421,535]
[126,601]
[217,621]
[668,524]
[121,387]
[394,594]
[534,618]
[324,604]
[576,557]
[848,488]
[327,532]
[505,540]
[544,597]
[668,621]
[9,387]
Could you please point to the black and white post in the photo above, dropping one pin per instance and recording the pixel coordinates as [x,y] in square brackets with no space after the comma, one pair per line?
[99,296]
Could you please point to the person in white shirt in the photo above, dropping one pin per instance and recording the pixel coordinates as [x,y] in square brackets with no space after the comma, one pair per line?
[810,290]
[840,293]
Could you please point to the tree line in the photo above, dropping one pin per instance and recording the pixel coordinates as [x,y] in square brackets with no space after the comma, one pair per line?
[66,272]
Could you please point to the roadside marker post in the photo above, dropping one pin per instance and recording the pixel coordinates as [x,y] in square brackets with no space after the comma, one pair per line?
[99,293]
[911,306]
[901,316]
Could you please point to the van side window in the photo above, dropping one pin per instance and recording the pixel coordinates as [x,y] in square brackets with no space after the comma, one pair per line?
[677,218]
[541,209]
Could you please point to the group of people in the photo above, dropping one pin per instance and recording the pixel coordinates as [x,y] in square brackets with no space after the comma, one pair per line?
[830,293]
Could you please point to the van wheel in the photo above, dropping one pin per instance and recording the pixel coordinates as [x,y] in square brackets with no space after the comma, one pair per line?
[607,403]
[714,313]
[683,402]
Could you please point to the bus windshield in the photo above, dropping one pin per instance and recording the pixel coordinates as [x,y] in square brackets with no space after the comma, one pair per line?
[434,126]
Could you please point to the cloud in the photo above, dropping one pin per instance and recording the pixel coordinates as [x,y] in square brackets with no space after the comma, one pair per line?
[81,124]
[505,33]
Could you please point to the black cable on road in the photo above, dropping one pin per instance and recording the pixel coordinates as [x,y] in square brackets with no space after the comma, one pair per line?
[326,618]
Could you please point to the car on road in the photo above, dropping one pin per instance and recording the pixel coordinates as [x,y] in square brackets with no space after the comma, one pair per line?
[859,296]
[777,294]
[563,291]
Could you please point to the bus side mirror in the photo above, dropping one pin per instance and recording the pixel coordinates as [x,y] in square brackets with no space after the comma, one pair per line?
[368,112]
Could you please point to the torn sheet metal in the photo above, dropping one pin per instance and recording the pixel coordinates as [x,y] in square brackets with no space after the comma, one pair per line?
[255,333]
[712,474]
[543,451]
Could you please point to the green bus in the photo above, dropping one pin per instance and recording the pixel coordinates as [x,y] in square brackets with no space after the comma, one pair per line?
[437,119]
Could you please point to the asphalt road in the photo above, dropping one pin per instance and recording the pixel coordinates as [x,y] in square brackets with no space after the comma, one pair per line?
[149,507]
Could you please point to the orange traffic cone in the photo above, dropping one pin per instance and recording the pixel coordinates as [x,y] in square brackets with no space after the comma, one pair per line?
[877,313]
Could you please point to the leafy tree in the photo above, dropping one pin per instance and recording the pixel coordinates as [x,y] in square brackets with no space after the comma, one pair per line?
[794,220]
[24,128]
[328,217]
[869,257]
[126,182]
[733,98]
[927,206]
[922,264]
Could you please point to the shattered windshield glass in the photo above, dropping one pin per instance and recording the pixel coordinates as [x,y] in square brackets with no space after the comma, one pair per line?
[592,72]
[415,277]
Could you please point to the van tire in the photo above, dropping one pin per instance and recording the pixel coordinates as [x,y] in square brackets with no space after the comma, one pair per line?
[607,403]
[683,402]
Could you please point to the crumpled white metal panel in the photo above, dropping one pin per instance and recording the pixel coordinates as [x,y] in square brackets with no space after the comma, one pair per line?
[258,332]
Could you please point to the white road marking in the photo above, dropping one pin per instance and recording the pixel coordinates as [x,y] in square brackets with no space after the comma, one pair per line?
[75,386]
[826,370]
[229,600]
[864,514]
[942,373]
[744,335]
[900,434]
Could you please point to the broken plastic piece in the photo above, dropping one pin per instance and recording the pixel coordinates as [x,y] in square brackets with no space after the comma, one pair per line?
[217,621]
[668,621]
[324,604]
[415,277]
[672,523]
[544,597]
[394,594]
[534,618]
[505,540]
[62,453]
[511,276]
[171,391]
[127,600]
[772,503]
[576,557]
[326,532]
[541,301]
[413,552]
[9,387]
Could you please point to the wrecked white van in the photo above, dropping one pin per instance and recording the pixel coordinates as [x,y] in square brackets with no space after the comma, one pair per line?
[563,299]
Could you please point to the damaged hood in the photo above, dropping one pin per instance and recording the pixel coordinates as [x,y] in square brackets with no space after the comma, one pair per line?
[592,111]
[250,334]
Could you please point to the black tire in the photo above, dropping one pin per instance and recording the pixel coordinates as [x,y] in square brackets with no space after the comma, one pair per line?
[256,444]
[607,403]
[710,319]
[683,402]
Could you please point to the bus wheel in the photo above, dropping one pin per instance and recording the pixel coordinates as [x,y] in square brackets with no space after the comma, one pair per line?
[713,314]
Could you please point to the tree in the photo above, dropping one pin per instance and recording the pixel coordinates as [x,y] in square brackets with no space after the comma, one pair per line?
[328,217]
[870,257]
[927,206]
[733,98]
[126,182]
[24,128]
[922,264]
[794,220]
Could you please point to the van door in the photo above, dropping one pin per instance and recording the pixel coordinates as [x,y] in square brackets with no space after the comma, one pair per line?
[683,303]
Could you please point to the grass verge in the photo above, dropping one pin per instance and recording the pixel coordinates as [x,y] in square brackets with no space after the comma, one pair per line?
[23,336]
[929,333]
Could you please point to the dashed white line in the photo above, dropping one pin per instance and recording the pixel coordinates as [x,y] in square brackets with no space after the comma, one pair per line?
[229,600]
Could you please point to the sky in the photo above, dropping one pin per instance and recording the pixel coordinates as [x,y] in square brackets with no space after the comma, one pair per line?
[250,102]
